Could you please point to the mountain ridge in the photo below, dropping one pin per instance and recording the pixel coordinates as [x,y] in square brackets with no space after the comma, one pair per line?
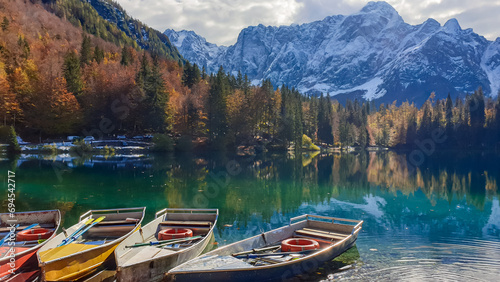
[372,55]
[145,37]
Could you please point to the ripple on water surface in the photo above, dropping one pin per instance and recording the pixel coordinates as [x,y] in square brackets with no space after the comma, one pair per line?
[449,259]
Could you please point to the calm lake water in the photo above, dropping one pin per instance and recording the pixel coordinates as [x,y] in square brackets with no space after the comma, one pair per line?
[438,221]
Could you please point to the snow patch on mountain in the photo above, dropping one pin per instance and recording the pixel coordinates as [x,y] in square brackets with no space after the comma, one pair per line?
[372,89]
[491,65]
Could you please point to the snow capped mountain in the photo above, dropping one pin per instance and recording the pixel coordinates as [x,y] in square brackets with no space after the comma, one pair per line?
[195,46]
[372,54]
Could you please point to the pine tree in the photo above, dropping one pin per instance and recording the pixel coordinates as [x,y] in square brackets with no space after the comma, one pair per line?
[411,131]
[324,120]
[239,80]
[191,75]
[449,119]
[156,98]
[298,128]
[425,129]
[476,108]
[343,128]
[144,71]
[98,54]
[85,51]
[126,57]
[217,110]
[72,74]
[203,73]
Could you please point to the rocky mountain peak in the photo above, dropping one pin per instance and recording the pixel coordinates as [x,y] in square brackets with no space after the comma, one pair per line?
[372,55]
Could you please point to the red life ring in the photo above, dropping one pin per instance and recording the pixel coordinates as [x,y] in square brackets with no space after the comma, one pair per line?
[298,245]
[34,234]
[174,233]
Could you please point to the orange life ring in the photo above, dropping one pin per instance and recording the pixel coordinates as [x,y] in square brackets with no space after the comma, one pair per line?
[174,233]
[298,245]
[34,234]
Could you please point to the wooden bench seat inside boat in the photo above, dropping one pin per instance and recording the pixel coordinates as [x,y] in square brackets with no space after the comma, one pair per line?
[313,233]
[117,222]
[110,230]
[327,232]
[201,224]
[22,227]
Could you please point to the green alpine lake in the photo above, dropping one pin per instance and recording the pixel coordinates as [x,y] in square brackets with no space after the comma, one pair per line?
[436,221]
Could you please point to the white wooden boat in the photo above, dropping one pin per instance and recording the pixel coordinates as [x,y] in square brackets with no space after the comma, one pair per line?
[82,257]
[151,262]
[260,258]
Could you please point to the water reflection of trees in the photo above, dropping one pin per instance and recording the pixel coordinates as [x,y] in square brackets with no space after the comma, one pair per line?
[260,185]
[283,183]
[441,176]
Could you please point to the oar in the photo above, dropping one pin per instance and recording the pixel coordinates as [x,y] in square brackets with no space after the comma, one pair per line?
[165,245]
[8,235]
[276,254]
[89,221]
[256,250]
[171,241]
[73,238]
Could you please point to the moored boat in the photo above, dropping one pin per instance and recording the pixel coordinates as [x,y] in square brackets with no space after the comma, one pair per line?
[279,254]
[18,250]
[85,246]
[172,238]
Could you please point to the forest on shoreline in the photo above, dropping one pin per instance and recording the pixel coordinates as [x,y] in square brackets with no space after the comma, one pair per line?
[57,79]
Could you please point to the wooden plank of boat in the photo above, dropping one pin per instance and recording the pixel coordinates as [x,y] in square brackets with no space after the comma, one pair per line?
[24,226]
[25,256]
[24,276]
[220,265]
[187,223]
[82,257]
[150,262]
[319,235]
[327,232]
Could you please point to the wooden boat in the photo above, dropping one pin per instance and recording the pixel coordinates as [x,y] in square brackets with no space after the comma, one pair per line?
[148,262]
[95,247]
[259,258]
[20,255]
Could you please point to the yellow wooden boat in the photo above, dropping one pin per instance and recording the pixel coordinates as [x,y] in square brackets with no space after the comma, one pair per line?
[102,231]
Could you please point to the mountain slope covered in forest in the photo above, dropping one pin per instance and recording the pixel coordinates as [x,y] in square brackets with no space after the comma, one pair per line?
[108,20]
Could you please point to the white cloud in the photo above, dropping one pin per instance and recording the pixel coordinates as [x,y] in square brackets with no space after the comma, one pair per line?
[220,21]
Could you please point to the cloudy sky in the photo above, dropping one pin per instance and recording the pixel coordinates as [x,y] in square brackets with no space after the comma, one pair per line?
[220,21]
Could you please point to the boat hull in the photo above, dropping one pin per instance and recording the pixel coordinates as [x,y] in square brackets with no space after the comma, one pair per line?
[219,265]
[26,261]
[76,266]
[76,260]
[154,269]
[275,273]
